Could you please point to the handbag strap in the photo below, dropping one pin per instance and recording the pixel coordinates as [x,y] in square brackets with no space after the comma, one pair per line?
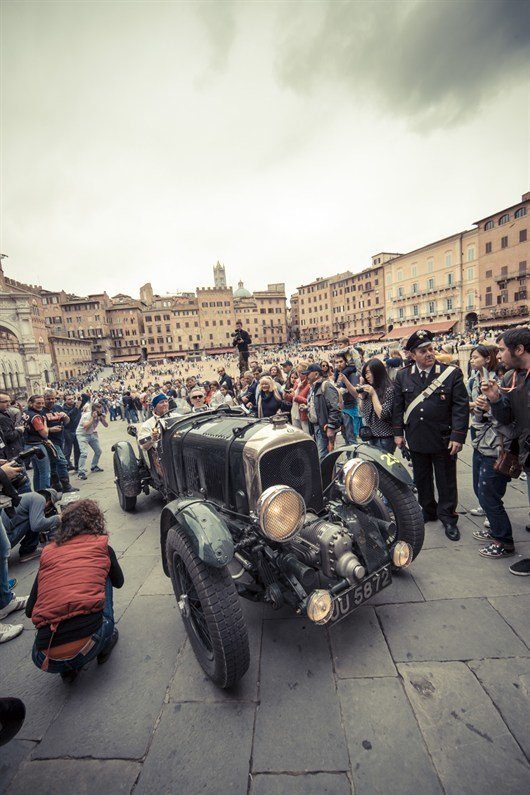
[427,392]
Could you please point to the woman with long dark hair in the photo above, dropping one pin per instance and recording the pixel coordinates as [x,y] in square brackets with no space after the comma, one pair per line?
[71,599]
[376,397]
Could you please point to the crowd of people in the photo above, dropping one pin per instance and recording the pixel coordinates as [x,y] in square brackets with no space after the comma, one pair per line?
[422,398]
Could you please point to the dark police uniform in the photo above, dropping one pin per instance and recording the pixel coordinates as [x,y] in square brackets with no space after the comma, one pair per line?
[440,418]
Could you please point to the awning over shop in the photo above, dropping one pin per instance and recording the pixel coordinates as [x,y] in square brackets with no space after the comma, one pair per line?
[319,344]
[405,331]
[485,324]
[217,351]
[374,337]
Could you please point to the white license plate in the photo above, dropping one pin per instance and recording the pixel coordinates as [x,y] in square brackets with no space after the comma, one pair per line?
[350,600]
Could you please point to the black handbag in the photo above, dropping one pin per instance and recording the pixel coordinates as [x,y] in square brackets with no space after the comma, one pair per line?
[365,433]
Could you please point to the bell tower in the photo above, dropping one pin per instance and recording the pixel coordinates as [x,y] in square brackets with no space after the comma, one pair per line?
[219,276]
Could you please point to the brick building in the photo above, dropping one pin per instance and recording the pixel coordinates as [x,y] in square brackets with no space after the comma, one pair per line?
[504,252]
[71,356]
[126,328]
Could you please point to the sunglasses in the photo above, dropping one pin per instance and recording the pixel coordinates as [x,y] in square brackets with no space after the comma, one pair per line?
[197,397]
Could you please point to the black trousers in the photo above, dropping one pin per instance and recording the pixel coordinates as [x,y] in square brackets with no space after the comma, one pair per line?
[444,467]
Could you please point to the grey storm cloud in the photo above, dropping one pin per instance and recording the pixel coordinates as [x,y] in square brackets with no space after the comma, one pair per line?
[220,26]
[431,61]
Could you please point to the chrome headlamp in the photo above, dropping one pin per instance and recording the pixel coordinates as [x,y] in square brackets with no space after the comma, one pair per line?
[281,513]
[360,479]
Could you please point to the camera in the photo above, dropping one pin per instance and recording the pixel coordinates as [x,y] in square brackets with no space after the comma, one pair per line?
[25,455]
[361,390]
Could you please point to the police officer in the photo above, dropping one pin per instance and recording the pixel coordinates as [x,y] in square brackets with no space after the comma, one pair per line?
[435,427]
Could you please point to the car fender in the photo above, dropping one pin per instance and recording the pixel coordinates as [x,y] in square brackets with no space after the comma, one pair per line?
[203,525]
[368,452]
[126,469]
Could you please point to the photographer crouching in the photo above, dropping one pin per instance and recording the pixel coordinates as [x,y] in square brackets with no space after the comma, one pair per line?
[71,601]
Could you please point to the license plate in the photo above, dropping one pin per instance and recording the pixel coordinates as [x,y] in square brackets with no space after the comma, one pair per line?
[350,600]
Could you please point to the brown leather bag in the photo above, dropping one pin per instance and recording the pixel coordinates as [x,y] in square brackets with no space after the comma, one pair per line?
[507,463]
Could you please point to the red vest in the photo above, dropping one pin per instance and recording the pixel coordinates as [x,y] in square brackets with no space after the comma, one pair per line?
[71,579]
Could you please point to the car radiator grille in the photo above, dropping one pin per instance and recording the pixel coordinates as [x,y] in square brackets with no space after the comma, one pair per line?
[297,466]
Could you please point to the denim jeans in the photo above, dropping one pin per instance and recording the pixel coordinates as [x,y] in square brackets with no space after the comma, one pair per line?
[491,489]
[350,423]
[322,441]
[101,639]
[87,440]
[71,443]
[5,550]
[27,522]
[41,469]
[59,465]
[384,443]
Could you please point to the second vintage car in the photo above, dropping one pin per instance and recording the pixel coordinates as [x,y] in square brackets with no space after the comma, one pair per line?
[251,513]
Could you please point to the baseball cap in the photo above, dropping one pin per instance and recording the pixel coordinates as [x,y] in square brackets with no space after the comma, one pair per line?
[313,368]
[158,399]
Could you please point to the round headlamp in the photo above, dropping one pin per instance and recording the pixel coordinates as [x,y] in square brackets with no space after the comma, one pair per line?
[320,606]
[361,480]
[402,554]
[281,513]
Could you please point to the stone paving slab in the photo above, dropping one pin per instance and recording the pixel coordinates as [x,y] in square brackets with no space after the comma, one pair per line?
[82,776]
[157,583]
[507,683]
[359,647]
[450,629]
[403,589]
[516,612]
[190,683]
[112,709]
[461,572]
[470,744]
[43,694]
[12,756]
[298,701]
[387,751]
[306,784]
[135,570]
[200,748]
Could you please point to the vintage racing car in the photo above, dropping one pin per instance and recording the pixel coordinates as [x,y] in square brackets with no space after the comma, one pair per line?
[250,512]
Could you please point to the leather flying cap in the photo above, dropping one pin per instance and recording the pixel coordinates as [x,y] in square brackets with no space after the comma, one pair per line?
[419,339]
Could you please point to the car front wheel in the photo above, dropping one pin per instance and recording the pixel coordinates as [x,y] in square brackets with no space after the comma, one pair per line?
[210,608]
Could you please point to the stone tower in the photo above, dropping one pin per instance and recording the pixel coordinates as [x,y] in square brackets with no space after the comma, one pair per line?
[219,276]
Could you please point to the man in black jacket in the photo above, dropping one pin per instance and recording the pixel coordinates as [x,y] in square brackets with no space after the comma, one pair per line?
[323,409]
[12,436]
[225,380]
[241,340]
[435,428]
[72,409]
[514,404]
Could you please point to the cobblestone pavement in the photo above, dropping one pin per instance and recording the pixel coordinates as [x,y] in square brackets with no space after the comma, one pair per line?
[424,690]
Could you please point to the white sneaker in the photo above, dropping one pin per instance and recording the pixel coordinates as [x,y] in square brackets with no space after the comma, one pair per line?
[486,523]
[9,631]
[16,603]
[477,512]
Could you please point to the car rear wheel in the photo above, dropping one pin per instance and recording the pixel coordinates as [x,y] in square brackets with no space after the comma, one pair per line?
[211,611]
[396,502]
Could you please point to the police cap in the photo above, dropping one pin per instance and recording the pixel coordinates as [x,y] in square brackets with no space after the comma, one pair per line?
[419,339]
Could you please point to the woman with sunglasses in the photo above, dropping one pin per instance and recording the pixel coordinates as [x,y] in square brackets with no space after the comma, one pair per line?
[327,372]
[376,398]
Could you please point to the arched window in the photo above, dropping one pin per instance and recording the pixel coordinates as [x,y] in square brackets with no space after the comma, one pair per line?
[489,225]
[504,219]
[521,212]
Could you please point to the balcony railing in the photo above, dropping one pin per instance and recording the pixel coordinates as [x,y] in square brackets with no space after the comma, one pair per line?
[511,275]
[504,311]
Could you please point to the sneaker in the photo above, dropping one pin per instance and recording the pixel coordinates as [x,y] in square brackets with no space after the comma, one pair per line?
[494,550]
[67,487]
[96,469]
[16,603]
[487,524]
[69,676]
[12,584]
[521,568]
[522,476]
[9,631]
[104,655]
[81,476]
[481,535]
[477,512]
[35,553]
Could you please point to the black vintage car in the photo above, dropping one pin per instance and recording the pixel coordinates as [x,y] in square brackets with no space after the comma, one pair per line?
[252,513]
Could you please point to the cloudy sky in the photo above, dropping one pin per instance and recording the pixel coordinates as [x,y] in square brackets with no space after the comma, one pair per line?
[146,140]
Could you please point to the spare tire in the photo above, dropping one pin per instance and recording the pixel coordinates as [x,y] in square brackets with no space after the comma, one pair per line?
[396,502]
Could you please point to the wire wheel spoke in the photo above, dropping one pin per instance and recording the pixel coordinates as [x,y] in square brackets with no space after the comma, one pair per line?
[196,617]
